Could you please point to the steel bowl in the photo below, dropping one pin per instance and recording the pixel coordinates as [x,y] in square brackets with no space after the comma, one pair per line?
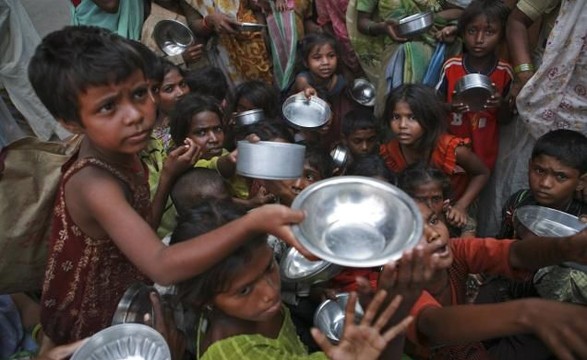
[304,113]
[134,305]
[330,315]
[250,27]
[363,92]
[173,37]
[473,90]
[124,342]
[357,221]
[544,221]
[294,267]
[249,117]
[415,24]
[340,156]
[270,160]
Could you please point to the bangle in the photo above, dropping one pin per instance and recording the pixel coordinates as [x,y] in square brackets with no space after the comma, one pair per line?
[524,67]
[35,333]
[205,24]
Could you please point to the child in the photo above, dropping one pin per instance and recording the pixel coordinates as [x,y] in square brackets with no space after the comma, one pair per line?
[210,186]
[416,117]
[359,132]
[239,302]
[102,242]
[482,26]
[446,329]
[173,88]
[557,168]
[432,187]
[209,81]
[255,94]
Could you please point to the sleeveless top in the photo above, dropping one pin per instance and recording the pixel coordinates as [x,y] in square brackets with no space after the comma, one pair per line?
[85,278]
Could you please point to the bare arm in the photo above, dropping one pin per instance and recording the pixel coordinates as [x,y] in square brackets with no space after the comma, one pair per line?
[366,25]
[478,175]
[519,48]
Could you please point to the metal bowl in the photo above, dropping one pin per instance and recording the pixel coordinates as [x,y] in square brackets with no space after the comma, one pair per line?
[340,156]
[173,37]
[249,117]
[124,342]
[544,221]
[415,24]
[363,92]
[250,27]
[357,221]
[473,90]
[270,160]
[304,113]
[330,315]
[296,268]
[134,305]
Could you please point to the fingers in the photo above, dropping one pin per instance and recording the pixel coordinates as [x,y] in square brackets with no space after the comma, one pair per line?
[400,328]
[349,311]
[373,309]
[321,340]
[63,351]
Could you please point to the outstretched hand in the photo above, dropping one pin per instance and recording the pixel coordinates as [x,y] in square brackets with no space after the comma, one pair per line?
[365,340]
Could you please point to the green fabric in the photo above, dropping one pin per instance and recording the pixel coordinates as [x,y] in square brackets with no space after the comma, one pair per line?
[127,22]
[287,345]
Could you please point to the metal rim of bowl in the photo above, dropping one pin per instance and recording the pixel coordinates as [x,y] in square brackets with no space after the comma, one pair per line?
[323,304]
[410,19]
[296,99]
[521,216]
[268,144]
[171,22]
[413,238]
[127,300]
[413,17]
[363,102]
[314,275]
[244,114]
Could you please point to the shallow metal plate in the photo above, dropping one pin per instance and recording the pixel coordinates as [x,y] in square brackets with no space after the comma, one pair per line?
[304,113]
[296,268]
[415,24]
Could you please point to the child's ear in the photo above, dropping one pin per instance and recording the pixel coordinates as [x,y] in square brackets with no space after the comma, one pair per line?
[582,185]
[71,126]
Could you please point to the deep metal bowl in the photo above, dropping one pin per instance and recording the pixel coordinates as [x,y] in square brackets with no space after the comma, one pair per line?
[173,37]
[249,117]
[340,156]
[544,221]
[473,90]
[330,315]
[134,305]
[415,24]
[124,342]
[295,267]
[357,221]
[270,160]
[303,113]
[363,92]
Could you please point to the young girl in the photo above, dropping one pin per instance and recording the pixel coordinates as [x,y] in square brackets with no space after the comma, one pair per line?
[256,94]
[240,310]
[432,187]
[417,118]
[102,240]
[173,88]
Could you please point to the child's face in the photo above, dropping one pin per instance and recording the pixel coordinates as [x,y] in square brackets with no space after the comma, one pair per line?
[244,104]
[206,131]
[322,61]
[172,89]
[404,125]
[435,237]
[117,118]
[287,190]
[362,141]
[254,293]
[552,183]
[482,37]
[430,194]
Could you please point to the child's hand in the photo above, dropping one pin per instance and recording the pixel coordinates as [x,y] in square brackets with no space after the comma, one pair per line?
[193,53]
[309,92]
[222,23]
[447,34]
[181,159]
[281,5]
[165,325]
[458,107]
[262,197]
[494,100]
[61,352]
[455,216]
[391,30]
[364,341]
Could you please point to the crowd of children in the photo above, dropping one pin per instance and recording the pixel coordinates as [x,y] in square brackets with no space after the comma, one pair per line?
[152,194]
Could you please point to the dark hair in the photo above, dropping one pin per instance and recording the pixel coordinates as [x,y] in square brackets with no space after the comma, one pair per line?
[208,80]
[320,160]
[69,61]
[311,40]
[493,10]
[153,63]
[208,216]
[168,66]
[421,173]
[268,130]
[358,119]
[261,95]
[427,108]
[181,117]
[371,165]
[567,146]
[197,185]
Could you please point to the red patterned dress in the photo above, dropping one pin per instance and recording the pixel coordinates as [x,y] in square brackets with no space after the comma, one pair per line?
[85,278]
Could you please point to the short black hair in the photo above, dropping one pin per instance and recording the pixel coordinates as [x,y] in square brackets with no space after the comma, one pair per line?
[371,165]
[493,10]
[181,117]
[69,61]
[567,146]
[421,173]
[209,81]
[358,119]
[153,63]
[320,159]
[197,185]
[261,95]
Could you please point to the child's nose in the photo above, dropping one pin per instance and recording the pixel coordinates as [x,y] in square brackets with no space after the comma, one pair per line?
[133,115]
[480,37]
[270,289]
[430,233]
[546,182]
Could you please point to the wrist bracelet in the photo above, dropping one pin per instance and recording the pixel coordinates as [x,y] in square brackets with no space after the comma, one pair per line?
[524,67]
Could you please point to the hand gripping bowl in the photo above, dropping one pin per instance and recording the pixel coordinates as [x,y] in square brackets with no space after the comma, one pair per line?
[304,113]
[543,221]
[330,315]
[294,267]
[270,160]
[415,24]
[173,37]
[124,342]
[357,221]
[473,90]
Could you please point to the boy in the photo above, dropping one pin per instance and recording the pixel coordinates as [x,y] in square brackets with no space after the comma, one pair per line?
[482,26]
[210,186]
[359,132]
[556,170]
[102,239]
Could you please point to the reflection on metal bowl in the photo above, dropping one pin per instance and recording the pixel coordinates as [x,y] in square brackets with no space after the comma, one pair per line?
[304,113]
[270,160]
[330,316]
[473,90]
[173,37]
[296,268]
[134,305]
[415,24]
